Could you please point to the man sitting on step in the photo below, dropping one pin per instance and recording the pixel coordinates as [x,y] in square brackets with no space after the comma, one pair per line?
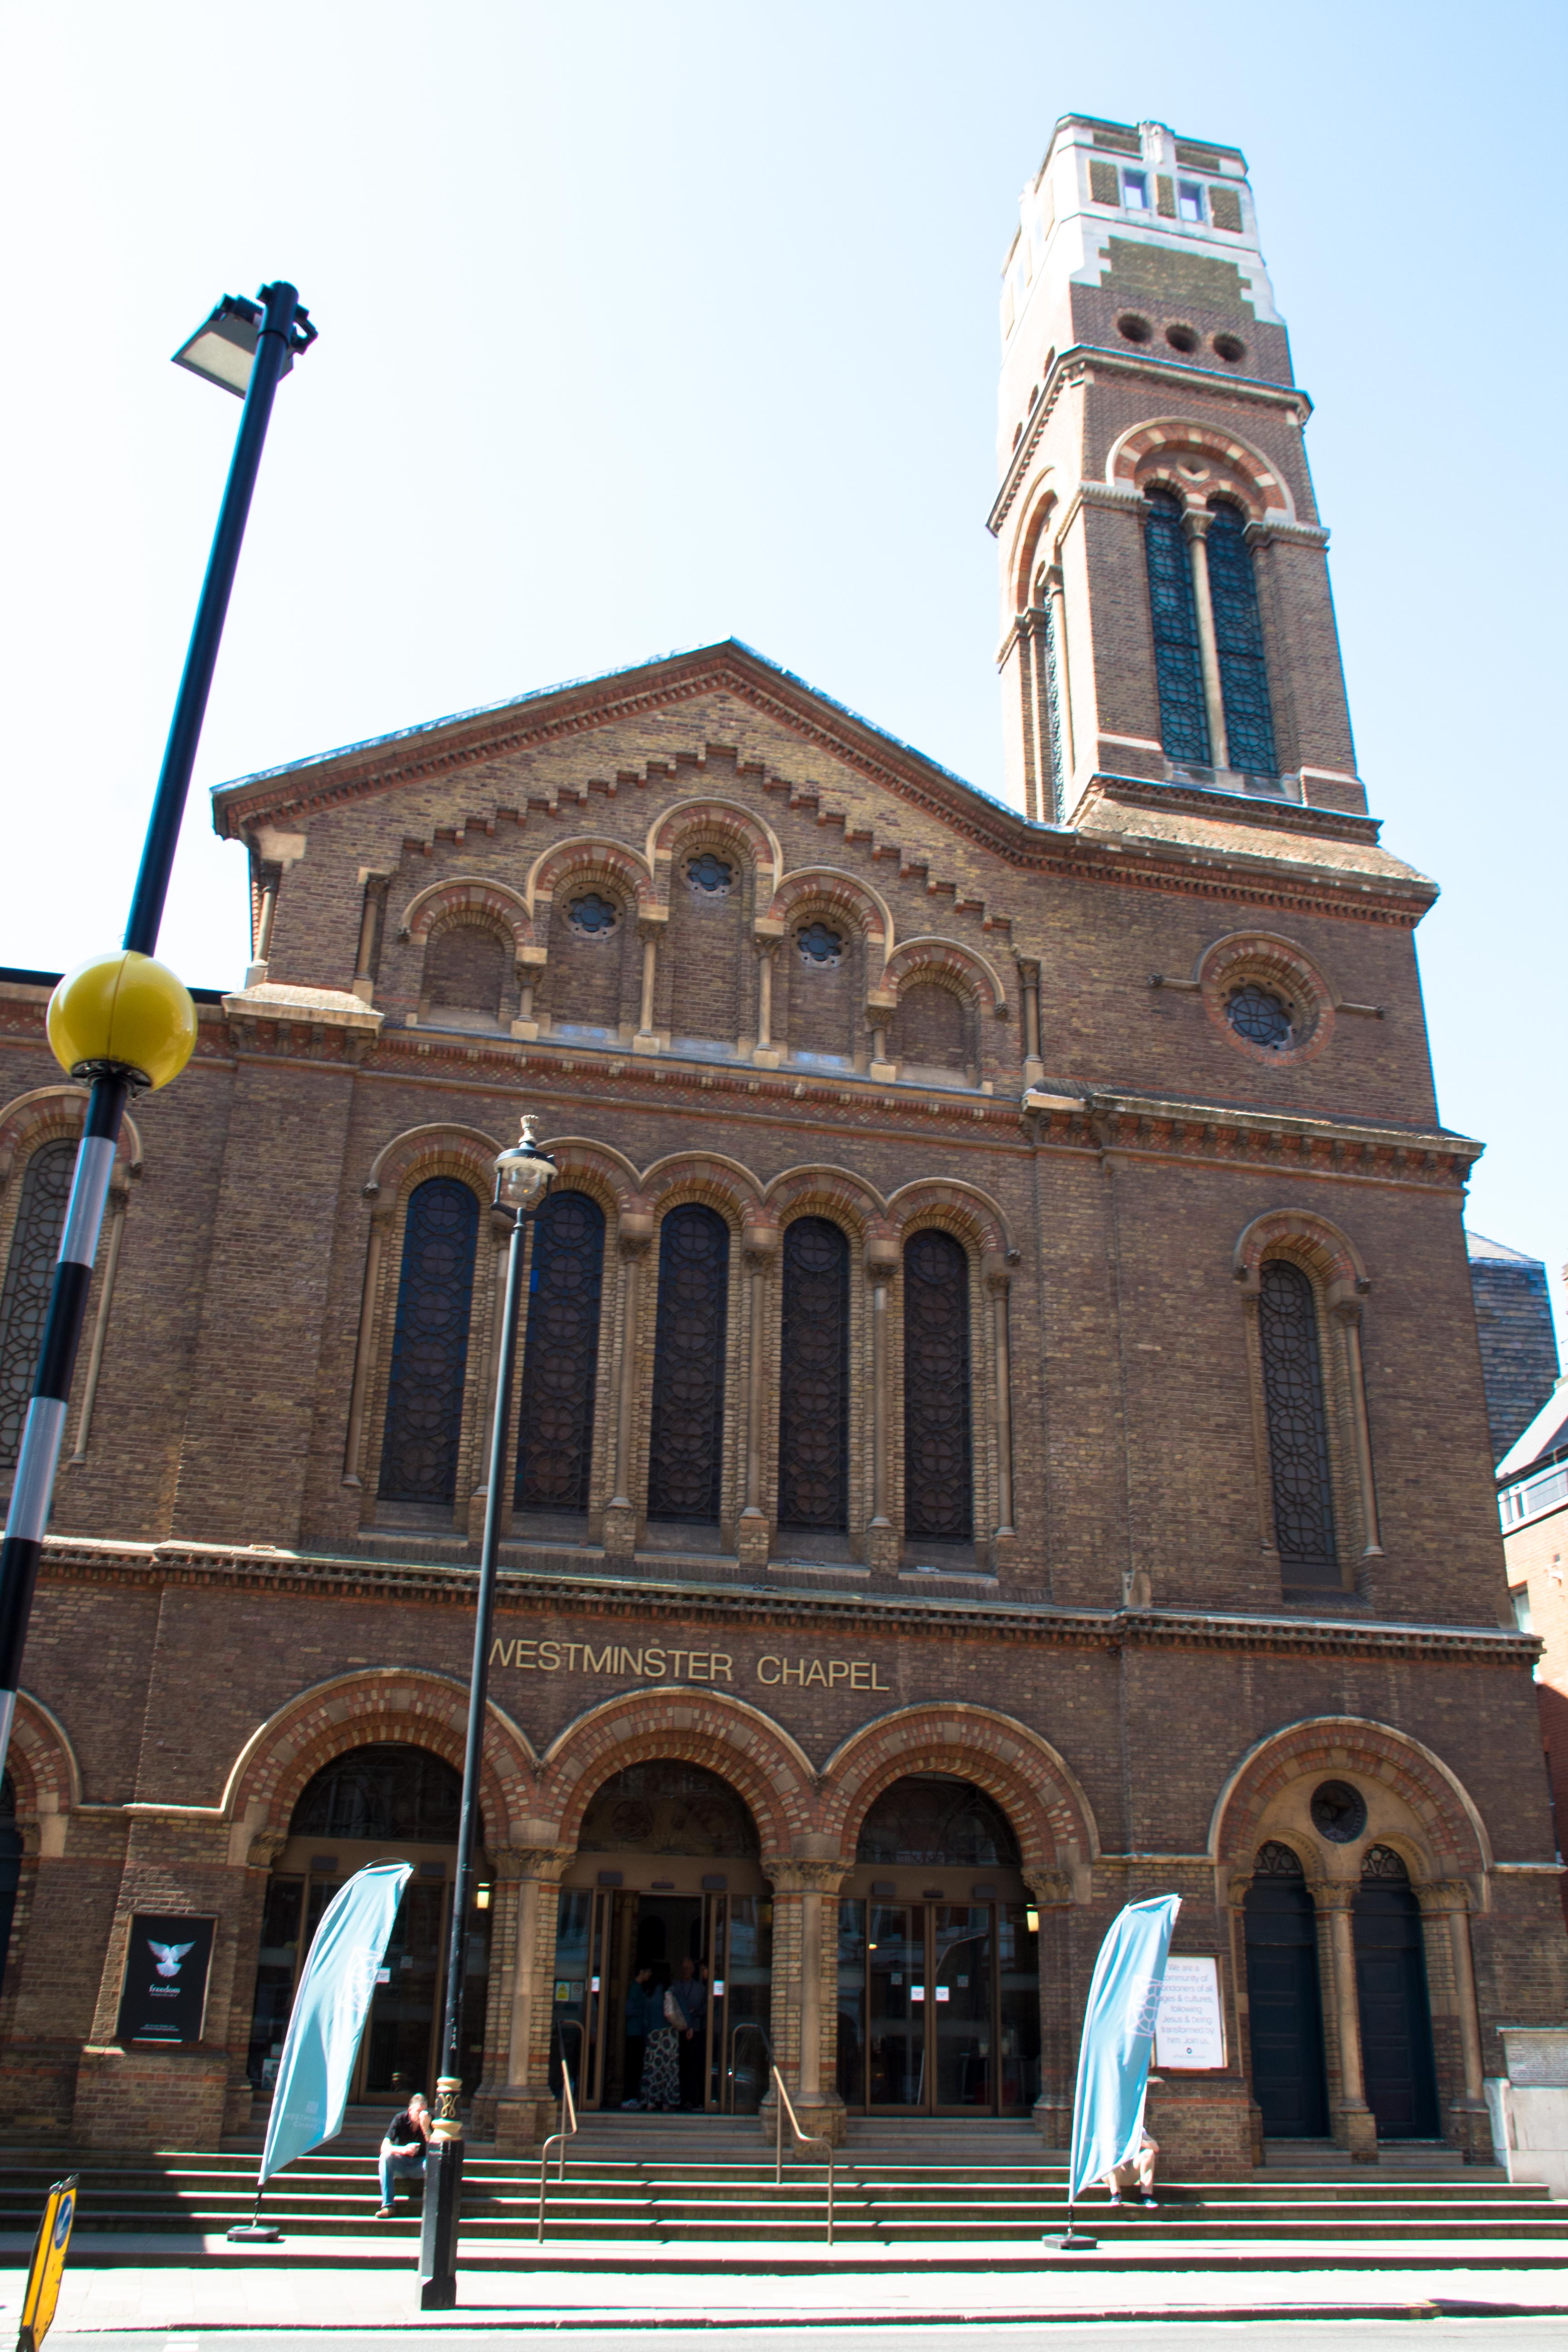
[404,2149]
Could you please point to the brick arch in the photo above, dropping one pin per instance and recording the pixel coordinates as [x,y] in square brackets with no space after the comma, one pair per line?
[729,819]
[759,1760]
[826,887]
[41,1760]
[1043,503]
[1149,452]
[55,1115]
[597,1168]
[945,960]
[836,1192]
[407,1703]
[725,1184]
[1302,1235]
[1268,958]
[963,1208]
[1035,1786]
[435,1150]
[590,857]
[468,898]
[1443,1826]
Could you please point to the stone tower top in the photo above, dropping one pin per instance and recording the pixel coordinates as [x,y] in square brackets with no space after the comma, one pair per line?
[1133,239]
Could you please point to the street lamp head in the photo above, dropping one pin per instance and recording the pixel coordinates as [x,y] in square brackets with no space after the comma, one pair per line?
[222,348]
[524,1175]
[122,1015]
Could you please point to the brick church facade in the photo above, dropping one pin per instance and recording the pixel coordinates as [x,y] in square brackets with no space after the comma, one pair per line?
[976,1457]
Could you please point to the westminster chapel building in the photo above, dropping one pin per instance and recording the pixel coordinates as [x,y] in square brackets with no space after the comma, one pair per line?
[998,1429]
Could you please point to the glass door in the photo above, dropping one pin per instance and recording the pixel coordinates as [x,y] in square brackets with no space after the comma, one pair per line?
[962,1976]
[738,1934]
[582,2008]
[937,2007]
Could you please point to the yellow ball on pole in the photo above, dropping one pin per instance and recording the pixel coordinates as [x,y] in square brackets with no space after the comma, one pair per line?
[124,1012]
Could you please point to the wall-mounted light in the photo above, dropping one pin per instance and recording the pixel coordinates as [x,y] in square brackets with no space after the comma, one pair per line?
[1032,1920]
[481,1898]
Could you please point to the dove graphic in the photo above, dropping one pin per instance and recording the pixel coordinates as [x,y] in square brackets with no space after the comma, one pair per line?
[169,1955]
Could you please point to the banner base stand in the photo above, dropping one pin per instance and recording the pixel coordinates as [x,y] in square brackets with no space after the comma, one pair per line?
[1070,2241]
[254,2233]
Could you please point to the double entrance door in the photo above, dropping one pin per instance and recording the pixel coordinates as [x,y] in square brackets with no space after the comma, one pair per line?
[606,1933]
[939,2007]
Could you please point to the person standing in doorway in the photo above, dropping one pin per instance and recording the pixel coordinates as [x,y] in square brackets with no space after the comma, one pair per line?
[690,1995]
[404,2151]
[645,2015]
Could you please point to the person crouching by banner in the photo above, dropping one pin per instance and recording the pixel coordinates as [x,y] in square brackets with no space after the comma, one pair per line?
[1138,2172]
[404,2151]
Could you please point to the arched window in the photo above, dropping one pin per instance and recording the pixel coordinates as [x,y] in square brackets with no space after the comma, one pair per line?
[1178,664]
[814,1378]
[387,1790]
[665,1807]
[29,1271]
[686,1456]
[430,1344]
[933,1818]
[561,1356]
[1298,1424]
[939,1484]
[1238,642]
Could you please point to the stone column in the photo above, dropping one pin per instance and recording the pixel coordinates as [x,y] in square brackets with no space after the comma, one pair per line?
[523,1975]
[764,1053]
[649,928]
[1051,1896]
[804,2014]
[881,1004]
[621,1511]
[369,923]
[1347,1312]
[1354,2123]
[759,1243]
[1196,523]
[1029,994]
[117,1207]
[1446,1932]
[882,1545]
[255,969]
[500,1242]
[998,1281]
[364,1349]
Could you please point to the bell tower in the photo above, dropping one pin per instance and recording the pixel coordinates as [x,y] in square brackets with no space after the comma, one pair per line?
[1165,607]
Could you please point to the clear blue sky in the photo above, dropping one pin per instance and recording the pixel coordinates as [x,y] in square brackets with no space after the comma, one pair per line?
[645,324]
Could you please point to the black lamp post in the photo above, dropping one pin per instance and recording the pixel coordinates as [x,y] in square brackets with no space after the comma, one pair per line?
[524,1177]
[125,1021]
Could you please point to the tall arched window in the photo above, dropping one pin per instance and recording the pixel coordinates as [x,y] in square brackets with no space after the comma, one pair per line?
[1178,664]
[561,1356]
[1238,642]
[29,1270]
[430,1344]
[813,1379]
[939,1484]
[686,1456]
[1298,1424]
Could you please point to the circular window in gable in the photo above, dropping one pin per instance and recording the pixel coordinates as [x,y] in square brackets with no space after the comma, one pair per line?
[592,915]
[1267,998]
[1136,328]
[708,875]
[819,946]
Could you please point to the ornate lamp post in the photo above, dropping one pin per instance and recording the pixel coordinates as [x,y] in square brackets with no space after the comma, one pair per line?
[123,1022]
[524,1177]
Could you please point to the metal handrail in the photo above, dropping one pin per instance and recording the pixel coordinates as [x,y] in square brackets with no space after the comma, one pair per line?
[557,2139]
[747,2025]
[805,2139]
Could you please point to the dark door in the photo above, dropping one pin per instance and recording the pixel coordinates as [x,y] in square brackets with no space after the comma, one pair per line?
[1395,2019]
[1284,2010]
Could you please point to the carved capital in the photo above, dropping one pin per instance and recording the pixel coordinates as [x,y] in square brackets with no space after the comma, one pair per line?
[1052,1889]
[1442,1894]
[793,1877]
[1333,1894]
[542,1861]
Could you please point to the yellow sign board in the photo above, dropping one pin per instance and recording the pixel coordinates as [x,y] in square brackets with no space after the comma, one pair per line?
[49,2260]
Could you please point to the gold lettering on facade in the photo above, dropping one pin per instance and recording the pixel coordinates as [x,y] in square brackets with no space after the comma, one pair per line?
[656,1665]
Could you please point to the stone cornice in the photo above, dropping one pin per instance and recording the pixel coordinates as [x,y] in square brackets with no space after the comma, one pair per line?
[1136,1126]
[69,1559]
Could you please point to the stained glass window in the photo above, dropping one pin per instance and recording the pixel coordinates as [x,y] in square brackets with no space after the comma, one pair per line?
[387,1789]
[1298,1428]
[592,914]
[30,1272]
[710,875]
[938,1486]
[686,1444]
[1178,669]
[933,1818]
[1256,1013]
[561,1356]
[1238,641]
[817,944]
[814,1378]
[430,1344]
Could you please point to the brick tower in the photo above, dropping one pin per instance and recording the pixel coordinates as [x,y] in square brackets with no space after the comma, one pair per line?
[1135,282]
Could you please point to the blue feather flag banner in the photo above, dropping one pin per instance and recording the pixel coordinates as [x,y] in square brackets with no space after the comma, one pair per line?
[1118,2035]
[330,2010]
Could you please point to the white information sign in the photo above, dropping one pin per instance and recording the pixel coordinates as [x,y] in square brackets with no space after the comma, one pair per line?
[1189,2033]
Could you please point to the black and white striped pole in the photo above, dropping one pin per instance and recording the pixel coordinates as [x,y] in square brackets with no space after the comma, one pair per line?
[125,1021]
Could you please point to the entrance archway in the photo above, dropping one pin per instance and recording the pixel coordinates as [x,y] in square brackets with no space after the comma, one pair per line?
[1284,2001]
[668,1871]
[939,1983]
[386,1801]
[1397,2067]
